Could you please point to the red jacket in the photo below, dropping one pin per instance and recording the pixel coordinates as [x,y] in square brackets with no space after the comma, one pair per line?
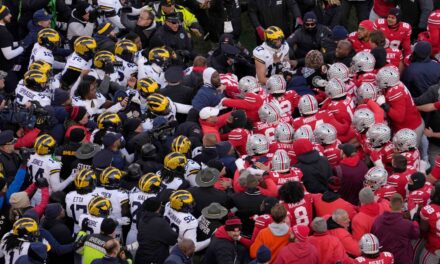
[28,140]
[350,244]
[298,252]
[250,104]
[212,128]
[330,249]
[382,7]
[327,203]
[363,221]
[39,209]
[266,188]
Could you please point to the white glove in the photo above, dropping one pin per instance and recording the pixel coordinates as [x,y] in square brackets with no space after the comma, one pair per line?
[124,221]
[380,100]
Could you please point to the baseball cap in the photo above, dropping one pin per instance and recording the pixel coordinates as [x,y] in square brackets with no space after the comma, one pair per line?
[41,15]
[208,112]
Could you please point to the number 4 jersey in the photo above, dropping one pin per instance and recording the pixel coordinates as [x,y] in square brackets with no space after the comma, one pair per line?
[76,205]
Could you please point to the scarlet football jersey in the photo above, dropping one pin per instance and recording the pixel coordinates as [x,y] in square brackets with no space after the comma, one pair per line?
[286,102]
[394,56]
[357,44]
[384,153]
[383,258]
[419,197]
[288,147]
[412,158]
[333,153]
[279,178]
[431,213]
[266,129]
[398,38]
[400,180]
[385,192]
[302,211]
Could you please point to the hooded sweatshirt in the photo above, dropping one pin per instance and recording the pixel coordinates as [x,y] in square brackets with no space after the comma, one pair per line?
[275,237]
[364,220]
[395,234]
[207,95]
[328,202]
[316,171]
[350,244]
[298,253]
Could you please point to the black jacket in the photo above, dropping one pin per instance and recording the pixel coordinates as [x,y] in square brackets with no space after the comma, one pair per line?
[178,41]
[316,171]
[306,41]
[10,164]
[155,236]
[222,250]
[280,13]
[191,128]
[178,93]
[204,196]
[248,204]
[62,234]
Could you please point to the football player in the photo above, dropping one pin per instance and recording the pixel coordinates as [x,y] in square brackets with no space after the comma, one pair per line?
[376,179]
[298,202]
[125,51]
[16,242]
[178,214]
[98,209]
[286,101]
[379,146]
[269,114]
[419,192]
[110,179]
[271,56]
[33,89]
[77,201]
[326,135]
[44,164]
[81,59]
[182,144]
[149,185]
[103,65]
[363,67]
[48,40]
[397,33]
[283,140]
[369,245]
[340,71]
[281,172]
[405,143]
[158,60]
[173,171]
[429,222]
[359,39]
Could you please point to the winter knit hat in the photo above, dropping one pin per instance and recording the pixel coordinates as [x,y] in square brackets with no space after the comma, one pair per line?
[108,226]
[60,97]
[77,113]
[396,12]
[53,210]
[105,28]
[367,24]
[422,49]
[301,232]
[77,135]
[207,74]
[334,183]
[4,11]
[310,17]
[314,59]
[81,9]
[233,223]
[19,200]
[301,146]
[339,33]
[263,254]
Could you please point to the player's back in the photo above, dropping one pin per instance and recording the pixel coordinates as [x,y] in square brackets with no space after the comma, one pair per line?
[180,222]
[76,205]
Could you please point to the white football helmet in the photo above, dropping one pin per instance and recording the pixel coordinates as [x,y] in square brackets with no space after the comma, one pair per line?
[367,91]
[387,76]
[339,71]
[363,61]
[284,133]
[335,88]
[248,84]
[257,144]
[269,113]
[375,178]
[363,119]
[325,134]
[405,139]
[369,244]
[378,135]
[276,84]
[280,161]
[304,132]
[308,105]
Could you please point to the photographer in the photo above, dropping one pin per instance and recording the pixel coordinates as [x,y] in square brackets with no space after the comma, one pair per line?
[9,160]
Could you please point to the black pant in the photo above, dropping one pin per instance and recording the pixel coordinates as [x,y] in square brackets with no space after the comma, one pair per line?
[362,11]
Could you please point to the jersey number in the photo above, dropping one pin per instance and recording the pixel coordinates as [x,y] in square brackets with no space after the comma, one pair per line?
[79,207]
[173,226]
[135,207]
[38,174]
[301,216]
